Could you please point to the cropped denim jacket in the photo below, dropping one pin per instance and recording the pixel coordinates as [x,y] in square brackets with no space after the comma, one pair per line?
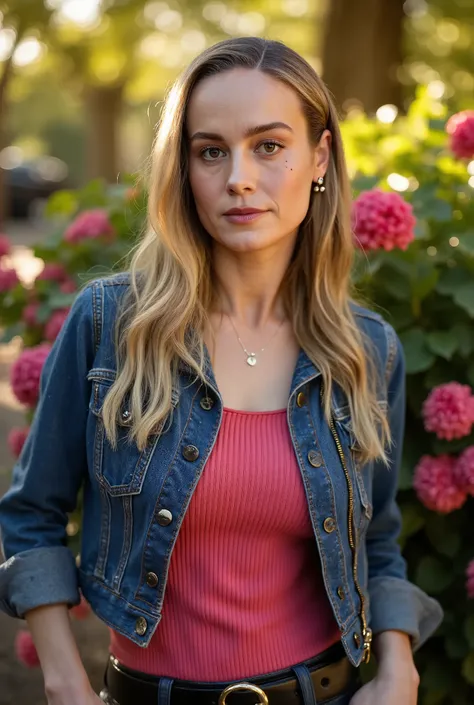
[135,501]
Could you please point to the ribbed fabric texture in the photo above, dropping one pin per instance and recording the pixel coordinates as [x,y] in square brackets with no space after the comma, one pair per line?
[245,594]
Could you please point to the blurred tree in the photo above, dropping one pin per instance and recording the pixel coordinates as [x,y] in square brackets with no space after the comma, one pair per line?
[18,18]
[362,51]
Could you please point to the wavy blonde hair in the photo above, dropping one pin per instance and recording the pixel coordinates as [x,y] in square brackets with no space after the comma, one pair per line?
[165,312]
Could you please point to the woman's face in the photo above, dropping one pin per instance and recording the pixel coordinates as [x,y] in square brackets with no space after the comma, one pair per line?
[249,149]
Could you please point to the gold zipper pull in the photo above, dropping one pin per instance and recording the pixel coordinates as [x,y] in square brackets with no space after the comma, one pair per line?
[367,635]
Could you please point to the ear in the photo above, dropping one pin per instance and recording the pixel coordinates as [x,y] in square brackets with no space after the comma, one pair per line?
[322,153]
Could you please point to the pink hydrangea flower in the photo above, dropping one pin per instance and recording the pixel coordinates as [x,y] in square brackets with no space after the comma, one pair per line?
[68,286]
[25,649]
[448,411]
[470,580]
[52,271]
[16,440]
[435,484]
[5,245]
[88,225]
[55,323]
[25,373]
[82,610]
[382,221]
[464,470]
[29,314]
[460,127]
[8,279]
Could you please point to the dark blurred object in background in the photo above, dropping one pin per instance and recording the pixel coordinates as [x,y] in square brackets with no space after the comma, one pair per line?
[30,183]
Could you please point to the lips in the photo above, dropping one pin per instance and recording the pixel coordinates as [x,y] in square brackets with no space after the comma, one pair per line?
[243,211]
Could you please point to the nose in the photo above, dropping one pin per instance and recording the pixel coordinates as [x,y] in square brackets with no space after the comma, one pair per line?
[242,176]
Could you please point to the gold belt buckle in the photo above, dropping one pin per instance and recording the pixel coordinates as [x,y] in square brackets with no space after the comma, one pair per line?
[262,697]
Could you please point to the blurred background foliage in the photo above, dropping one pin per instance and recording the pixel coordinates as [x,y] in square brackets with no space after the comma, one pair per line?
[81,80]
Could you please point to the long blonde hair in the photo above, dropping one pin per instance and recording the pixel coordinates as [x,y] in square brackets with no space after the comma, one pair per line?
[165,311]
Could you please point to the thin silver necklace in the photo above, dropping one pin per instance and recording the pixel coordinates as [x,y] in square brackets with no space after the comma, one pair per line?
[251,356]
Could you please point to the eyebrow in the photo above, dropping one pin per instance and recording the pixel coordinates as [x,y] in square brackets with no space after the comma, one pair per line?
[249,132]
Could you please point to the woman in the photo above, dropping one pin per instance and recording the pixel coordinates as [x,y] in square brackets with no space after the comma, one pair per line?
[236,421]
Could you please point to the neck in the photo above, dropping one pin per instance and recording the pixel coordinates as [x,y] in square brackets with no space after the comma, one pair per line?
[248,284]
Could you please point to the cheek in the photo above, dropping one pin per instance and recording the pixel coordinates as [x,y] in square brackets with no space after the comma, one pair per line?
[203,188]
[292,191]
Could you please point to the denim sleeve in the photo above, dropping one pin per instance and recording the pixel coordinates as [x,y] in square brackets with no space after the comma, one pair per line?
[39,568]
[395,603]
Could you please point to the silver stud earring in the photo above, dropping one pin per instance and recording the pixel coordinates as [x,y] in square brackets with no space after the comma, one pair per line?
[320,188]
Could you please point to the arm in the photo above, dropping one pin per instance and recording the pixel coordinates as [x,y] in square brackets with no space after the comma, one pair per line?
[396,604]
[64,676]
[38,581]
[40,569]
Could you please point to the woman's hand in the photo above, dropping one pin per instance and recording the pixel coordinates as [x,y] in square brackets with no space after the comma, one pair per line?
[73,696]
[389,690]
[397,679]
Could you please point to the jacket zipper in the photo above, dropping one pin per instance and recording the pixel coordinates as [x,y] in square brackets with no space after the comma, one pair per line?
[366,631]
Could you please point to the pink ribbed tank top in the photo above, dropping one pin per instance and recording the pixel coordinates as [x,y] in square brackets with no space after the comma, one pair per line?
[245,594]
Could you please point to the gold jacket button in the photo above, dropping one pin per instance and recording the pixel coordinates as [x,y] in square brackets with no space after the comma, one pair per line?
[141,625]
[164,517]
[206,403]
[329,525]
[340,593]
[301,399]
[315,458]
[190,453]
[151,580]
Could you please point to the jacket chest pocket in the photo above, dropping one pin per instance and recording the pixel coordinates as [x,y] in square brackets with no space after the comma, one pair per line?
[121,471]
[361,473]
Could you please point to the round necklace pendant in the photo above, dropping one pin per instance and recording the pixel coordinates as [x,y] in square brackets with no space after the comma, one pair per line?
[251,360]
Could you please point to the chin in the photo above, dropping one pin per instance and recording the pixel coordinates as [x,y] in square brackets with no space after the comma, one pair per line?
[245,241]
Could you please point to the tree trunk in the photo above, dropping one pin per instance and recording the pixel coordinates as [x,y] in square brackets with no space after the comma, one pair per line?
[4,83]
[362,51]
[103,112]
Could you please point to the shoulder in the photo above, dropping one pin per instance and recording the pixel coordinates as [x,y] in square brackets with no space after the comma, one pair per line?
[381,334]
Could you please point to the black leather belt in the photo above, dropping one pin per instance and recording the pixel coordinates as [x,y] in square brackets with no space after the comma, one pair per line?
[330,672]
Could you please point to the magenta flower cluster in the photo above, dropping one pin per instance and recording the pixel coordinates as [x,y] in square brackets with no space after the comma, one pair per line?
[25,373]
[449,411]
[90,225]
[16,440]
[8,276]
[55,323]
[443,483]
[460,128]
[382,220]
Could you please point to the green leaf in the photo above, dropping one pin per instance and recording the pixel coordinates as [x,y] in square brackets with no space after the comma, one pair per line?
[468,668]
[464,297]
[433,576]
[444,539]
[44,312]
[12,331]
[418,356]
[442,343]
[464,334]
[466,243]
[469,630]
[412,520]
[61,203]
[452,279]
[60,300]
[456,646]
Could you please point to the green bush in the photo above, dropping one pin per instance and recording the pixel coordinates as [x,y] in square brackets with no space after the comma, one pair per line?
[426,291]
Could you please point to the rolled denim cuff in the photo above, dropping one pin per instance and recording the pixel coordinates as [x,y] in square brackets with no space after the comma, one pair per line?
[38,577]
[396,604]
